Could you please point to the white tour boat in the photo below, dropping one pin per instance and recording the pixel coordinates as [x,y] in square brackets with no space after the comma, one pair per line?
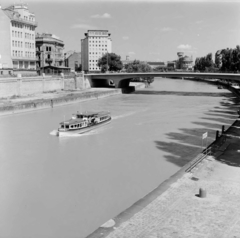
[83,122]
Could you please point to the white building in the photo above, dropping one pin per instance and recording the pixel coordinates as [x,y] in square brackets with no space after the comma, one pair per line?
[94,46]
[17,34]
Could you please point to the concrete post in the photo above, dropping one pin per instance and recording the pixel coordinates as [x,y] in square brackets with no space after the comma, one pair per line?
[83,80]
[62,77]
[43,82]
[19,84]
[202,193]
[75,79]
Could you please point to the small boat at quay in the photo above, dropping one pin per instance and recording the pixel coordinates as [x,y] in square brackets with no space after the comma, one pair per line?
[236,85]
[83,122]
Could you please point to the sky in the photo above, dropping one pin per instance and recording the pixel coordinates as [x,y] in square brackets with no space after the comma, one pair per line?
[149,30]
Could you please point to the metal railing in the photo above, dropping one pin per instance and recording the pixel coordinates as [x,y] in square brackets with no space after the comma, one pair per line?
[206,152]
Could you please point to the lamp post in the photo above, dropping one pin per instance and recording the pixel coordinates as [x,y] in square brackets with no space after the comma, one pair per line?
[107,62]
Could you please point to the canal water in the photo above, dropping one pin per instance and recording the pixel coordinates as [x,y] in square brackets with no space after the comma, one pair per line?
[69,186]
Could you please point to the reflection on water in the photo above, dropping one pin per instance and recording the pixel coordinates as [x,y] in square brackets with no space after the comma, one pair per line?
[68,186]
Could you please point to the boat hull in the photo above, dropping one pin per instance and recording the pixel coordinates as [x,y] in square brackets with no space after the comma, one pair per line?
[83,130]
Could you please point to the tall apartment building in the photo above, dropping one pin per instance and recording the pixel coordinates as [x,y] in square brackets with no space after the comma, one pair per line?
[95,44]
[49,49]
[17,34]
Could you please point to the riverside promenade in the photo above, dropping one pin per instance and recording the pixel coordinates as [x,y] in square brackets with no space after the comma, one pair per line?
[176,209]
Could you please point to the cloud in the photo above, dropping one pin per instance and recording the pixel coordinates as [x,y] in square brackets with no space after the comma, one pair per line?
[154,53]
[105,15]
[199,22]
[83,26]
[166,29]
[131,53]
[125,37]
[185,47]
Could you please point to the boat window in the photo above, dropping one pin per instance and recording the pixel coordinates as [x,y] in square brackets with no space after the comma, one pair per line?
[71,126]
[67,126]
[103,118]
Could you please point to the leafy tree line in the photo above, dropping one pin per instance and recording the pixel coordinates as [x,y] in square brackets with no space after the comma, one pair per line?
[137,67]
[112,62]
[226,60]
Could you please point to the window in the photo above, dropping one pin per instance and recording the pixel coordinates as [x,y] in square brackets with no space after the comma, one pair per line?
[13,43]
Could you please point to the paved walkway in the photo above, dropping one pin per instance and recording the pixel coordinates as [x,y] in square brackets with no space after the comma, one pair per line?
[180,212]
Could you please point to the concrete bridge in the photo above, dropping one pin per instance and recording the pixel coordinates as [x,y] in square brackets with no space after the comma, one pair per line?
[122,80]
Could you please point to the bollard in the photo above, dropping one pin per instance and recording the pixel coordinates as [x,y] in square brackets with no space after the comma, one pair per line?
[217,134]
[202,193]
[223,129]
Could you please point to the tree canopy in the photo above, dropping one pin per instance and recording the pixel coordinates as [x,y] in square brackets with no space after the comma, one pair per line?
[226,60]
[138,66]
[204,63]
[110,62]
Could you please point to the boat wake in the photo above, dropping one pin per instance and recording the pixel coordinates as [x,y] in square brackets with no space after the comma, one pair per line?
[124,115]
[92,132]
[54,133]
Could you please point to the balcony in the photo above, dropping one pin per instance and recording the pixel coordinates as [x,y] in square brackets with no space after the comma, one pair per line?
[49,61]
[28,22]
[24,58]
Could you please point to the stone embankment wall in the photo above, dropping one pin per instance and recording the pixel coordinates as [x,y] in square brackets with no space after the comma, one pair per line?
[65,99]
[19,86]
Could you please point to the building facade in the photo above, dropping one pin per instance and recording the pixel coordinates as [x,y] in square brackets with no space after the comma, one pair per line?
[73,60]
[156,64]
[184,62]
[17,34]
[95,44]
[49,50]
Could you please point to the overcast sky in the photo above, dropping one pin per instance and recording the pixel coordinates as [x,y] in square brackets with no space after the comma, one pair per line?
[144,30]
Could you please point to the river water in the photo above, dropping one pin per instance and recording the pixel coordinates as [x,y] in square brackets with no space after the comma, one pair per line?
[68,186]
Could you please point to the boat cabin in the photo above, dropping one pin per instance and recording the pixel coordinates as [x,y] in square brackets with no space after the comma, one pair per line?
[82,120]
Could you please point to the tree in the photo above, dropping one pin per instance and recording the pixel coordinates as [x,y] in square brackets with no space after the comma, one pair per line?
[218,59]
[110,62]
[138,66]
[204,63]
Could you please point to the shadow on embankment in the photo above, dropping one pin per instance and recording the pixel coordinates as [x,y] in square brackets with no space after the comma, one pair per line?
[179,93]
[187,144]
